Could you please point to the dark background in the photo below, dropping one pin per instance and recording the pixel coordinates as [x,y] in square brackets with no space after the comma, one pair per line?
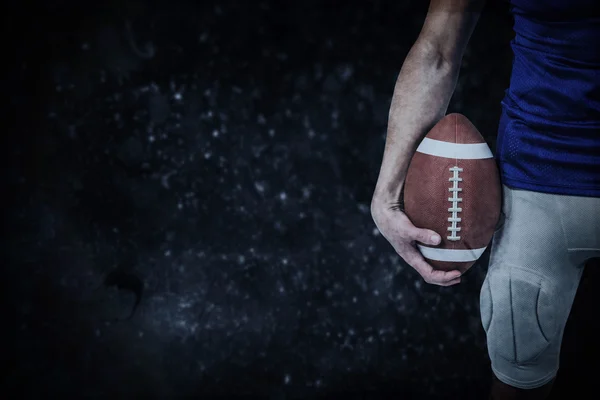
[220,156]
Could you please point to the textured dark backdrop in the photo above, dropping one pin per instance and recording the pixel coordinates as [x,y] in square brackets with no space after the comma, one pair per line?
[221,156]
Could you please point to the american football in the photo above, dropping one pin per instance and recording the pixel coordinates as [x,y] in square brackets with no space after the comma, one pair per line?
[453,187]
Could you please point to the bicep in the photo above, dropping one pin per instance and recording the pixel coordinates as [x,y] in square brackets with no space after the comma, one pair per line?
[448,26]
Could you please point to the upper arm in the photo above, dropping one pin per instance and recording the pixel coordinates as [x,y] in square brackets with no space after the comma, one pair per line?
[448,26]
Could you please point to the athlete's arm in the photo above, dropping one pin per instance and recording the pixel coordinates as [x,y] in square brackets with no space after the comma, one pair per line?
[421,96]
[424,87]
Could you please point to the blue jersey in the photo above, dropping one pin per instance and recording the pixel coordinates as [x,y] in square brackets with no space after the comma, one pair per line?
[549,131]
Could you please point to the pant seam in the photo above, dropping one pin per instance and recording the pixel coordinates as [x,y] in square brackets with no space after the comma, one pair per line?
[512,318]
[562,222]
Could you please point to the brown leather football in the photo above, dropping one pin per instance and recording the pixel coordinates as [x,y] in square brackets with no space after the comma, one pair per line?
[453,188]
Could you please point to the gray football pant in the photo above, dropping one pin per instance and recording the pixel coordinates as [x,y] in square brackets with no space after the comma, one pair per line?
[537,258]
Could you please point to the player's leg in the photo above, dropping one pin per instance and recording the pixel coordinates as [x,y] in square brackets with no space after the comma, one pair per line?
[502,391]
[580,353]
[530,286]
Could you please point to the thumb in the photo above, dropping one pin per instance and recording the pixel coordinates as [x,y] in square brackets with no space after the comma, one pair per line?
[427,236]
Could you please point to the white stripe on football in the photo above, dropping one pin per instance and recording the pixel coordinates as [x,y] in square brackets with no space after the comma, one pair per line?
[452,255]
[462,151]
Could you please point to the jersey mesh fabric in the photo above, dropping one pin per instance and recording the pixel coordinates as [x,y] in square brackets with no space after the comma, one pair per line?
[549,131]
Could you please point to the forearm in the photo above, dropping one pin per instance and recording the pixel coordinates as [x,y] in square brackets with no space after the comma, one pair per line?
[423,90]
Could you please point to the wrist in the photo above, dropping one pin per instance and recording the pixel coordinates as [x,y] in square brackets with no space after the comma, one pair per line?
[388,192]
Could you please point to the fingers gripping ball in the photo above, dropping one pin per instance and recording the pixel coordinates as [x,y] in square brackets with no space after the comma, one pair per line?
[453,188]
[521,313]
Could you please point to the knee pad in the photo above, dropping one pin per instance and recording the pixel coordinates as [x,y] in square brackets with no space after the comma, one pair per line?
[522,315]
